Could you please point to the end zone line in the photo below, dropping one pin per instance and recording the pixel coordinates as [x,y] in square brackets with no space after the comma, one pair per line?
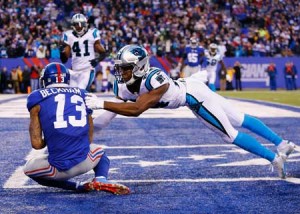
[207,180]
[197,180]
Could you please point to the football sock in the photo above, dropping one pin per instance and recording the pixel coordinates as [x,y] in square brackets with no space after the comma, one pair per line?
[250,144]
[212,86]
[102,167]
[257,126]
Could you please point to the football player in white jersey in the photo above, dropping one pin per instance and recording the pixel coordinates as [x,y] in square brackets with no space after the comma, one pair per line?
[213,59]
[86,49]
[149,87]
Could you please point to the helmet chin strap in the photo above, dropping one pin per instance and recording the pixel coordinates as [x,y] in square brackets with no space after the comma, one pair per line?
[132,80]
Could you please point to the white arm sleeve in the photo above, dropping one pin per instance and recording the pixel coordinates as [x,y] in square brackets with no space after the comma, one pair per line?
[104,119]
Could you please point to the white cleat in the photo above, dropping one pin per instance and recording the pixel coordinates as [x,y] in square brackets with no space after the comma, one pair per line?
[278,164]
[285,148]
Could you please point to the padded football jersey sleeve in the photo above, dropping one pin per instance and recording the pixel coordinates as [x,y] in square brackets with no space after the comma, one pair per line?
[66,38]
[96,34]
[156,78]
[84,92]
[33,99]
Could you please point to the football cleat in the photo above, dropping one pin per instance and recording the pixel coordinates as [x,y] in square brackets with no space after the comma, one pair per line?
[285,148]
[278,164]
[82,186]
[104,185]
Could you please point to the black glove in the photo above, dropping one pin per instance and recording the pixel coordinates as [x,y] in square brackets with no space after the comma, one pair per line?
[62,47]
[63,57]
[94,62]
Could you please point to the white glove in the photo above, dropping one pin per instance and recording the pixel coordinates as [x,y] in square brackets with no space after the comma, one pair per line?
[93,102]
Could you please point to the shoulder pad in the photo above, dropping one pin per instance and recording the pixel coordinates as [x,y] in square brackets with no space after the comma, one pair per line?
[33,99]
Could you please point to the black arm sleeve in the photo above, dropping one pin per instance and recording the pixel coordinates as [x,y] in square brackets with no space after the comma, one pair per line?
[62,54]
[102,56]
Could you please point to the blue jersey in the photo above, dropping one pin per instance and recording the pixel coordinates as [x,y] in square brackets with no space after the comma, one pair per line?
[194,56]
[64,122]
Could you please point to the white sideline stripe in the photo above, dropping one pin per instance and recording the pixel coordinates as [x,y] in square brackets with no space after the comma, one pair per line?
[200,180]
[207,180]
[174,146]
[18,179]
[17,109]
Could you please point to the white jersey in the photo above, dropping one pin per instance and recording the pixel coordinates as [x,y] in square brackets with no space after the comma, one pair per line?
[82,47]
[192,92]
[212,61]
[155,77]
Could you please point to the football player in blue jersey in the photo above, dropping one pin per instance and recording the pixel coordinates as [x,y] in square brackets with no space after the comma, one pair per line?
[194,60]
[149,87]
[60,121]
[86,50]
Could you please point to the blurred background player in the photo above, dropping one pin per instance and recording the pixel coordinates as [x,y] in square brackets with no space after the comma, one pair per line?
[150,87]
[60,121]
[86,49]
[213,58]
[193,60]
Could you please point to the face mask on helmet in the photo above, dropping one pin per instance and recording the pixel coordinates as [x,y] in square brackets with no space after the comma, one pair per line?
[55,74]
[194,42]
[213,49]
[79,23]
[131,63]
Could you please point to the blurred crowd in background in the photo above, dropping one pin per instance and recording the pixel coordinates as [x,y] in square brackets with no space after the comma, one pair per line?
[241,28]
[245,28]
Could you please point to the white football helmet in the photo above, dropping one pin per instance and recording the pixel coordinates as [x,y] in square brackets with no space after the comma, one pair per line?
[79,23]
[213,48]
[134,58]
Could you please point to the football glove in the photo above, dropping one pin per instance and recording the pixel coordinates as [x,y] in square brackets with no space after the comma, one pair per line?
[63,57]
[95,62]
[93,102]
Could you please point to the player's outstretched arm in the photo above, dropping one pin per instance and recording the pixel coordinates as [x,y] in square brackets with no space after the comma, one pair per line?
[144,102]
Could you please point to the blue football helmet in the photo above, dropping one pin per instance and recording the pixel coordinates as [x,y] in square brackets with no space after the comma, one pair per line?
[54,73]
[134,58]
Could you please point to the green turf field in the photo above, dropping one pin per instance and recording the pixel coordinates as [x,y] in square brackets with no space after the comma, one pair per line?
[280,96]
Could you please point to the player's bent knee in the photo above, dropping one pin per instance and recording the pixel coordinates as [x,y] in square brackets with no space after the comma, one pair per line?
[28,167]
[229,137]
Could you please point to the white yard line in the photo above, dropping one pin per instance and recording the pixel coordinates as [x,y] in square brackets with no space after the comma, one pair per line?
[17,109]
